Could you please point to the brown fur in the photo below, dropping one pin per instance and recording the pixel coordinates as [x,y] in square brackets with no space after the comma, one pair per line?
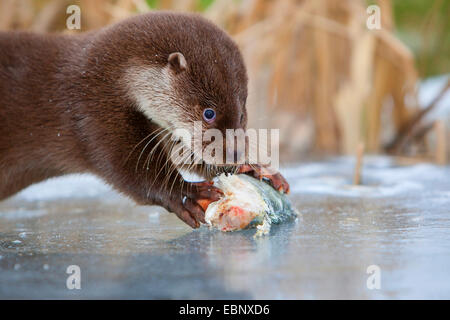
[64,107]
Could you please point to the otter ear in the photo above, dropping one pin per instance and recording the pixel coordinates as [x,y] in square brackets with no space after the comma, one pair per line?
[177,62]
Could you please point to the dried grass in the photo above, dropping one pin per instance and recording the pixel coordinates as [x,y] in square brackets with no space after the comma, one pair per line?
[318,60]
[315,69]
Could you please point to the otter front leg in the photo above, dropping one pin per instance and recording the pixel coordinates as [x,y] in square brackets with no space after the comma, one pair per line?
[176,195]
[146,173]
[275,179]
[154,181]
[185,201]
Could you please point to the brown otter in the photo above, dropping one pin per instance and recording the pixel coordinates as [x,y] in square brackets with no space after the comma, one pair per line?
[106,101]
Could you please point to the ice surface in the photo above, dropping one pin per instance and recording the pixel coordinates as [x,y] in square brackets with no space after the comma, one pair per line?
[70,186]
[428,90]
[399,220]
[380,178]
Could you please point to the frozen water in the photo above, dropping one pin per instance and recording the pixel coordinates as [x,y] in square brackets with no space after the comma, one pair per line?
[70,186]
[380,178]
[399,220]
[429,89]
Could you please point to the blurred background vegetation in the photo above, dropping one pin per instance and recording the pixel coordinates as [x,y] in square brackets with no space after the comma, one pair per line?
[424,26]
[316,71]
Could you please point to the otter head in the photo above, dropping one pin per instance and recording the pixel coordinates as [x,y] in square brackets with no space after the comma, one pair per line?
[193,78]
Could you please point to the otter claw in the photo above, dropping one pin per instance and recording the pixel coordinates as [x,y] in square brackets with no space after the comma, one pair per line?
[204,191]
[195,211]
[275,179]
[196,198]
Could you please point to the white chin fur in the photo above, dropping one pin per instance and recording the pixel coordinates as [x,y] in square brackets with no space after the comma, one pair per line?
[151,88]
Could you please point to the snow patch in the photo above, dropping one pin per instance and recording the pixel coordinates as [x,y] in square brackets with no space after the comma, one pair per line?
[70,186]
[379,176]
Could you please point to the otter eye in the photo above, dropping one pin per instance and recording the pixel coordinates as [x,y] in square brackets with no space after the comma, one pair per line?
[209,115]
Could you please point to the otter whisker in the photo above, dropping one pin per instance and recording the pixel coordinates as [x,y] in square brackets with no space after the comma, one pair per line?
[146,145]
[157,165]
[150,154]
[164,167]
[174,168]
[129,154]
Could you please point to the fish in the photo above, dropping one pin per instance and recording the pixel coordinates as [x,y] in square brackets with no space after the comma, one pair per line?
[248,203]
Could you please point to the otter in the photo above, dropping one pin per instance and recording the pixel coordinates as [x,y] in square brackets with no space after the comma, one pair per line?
[106,102]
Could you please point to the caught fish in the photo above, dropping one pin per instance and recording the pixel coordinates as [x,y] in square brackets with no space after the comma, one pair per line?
[248,203]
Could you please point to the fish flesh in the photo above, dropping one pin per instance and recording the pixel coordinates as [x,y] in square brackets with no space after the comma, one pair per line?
[248,203]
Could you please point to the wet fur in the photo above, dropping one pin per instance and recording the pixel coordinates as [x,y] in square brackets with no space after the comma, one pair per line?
[66,104]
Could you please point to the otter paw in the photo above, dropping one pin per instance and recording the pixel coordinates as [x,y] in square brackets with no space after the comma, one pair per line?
[188,211]
[194,201]
[274,178]
[204,191]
